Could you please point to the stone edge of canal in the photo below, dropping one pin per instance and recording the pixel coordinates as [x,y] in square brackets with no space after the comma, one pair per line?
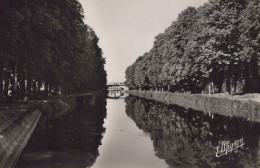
[247,109]
[16,131]
[15,137]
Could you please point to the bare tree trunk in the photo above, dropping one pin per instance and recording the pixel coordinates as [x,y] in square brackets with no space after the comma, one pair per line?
[213,88]
[219,87]
[228,85]
[29,87]
[56,88]
[1,84]
[46,89]
[7,83]
[22,87]
[209,89]
[13,84]
[39,86]
[34,89]
[235,88]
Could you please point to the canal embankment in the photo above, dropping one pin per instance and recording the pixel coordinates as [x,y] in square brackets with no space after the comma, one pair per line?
[14,138]
[18,123]
[239,106]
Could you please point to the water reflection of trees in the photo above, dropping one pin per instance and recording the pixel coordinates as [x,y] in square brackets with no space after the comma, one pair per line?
[187,138]
[71,140]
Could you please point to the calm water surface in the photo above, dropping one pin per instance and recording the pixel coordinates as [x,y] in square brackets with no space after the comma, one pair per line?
[124,144]
[136,133]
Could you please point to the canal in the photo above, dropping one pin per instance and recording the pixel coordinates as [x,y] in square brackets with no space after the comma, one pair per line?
[136,133]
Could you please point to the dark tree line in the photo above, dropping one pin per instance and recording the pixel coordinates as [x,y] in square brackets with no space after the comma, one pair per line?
[46,48]
[214,46]
[178,134]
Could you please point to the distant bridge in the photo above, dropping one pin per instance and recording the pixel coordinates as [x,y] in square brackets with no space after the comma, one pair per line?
[116,86]
[116,89]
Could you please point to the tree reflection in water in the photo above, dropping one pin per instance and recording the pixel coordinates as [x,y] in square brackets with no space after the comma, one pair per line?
[71,140]
[187,138]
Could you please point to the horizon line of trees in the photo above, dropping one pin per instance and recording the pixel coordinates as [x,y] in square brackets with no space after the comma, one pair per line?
[45,44]
[214,46]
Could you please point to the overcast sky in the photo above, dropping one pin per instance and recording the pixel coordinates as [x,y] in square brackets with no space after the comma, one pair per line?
[126,28]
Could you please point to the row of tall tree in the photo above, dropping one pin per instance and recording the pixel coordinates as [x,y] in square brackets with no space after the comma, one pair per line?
[214,45]
[45,45]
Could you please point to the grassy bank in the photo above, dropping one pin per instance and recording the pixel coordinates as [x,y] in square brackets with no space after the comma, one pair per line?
[244,107]
[53,106]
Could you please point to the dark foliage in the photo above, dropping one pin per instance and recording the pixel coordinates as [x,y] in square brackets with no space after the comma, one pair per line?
[45,44]
[215,45]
